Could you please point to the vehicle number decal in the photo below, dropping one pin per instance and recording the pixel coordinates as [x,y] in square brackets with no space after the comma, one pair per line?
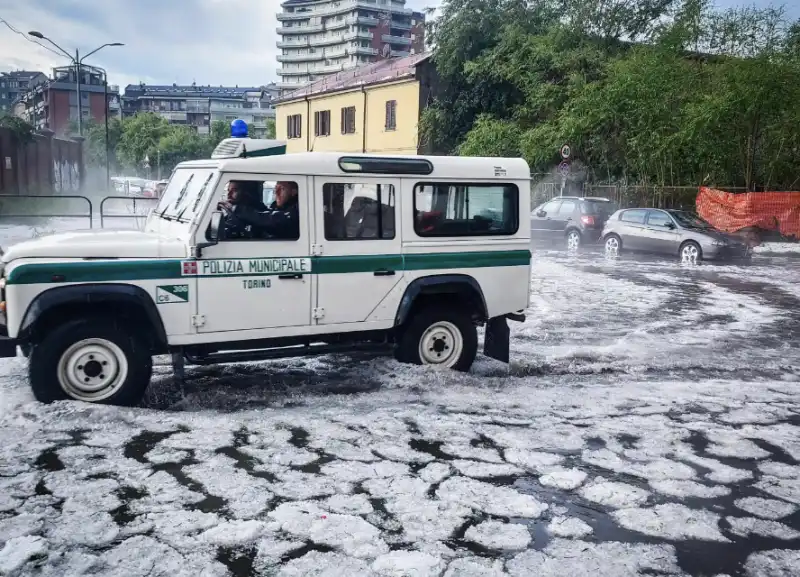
[174,293]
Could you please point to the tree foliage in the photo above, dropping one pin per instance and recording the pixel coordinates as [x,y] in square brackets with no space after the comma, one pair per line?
[656,92]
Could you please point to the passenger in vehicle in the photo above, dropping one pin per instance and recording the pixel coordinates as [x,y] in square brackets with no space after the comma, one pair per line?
[246,216]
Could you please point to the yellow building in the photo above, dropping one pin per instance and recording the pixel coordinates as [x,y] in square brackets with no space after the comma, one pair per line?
[372,108]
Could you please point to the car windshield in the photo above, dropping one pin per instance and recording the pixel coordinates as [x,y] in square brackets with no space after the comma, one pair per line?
[689,220]
[603,207]
[184,193]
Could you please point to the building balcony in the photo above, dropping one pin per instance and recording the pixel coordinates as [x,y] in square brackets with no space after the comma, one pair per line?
[383,7]
[336,24]
[289,86]
[336,53]
[173,116]
[289,30]
[313,57]
[284,16]
[364,50]
[400,53]
[329,69]
[359,36]
[292,44]
[400,25]
[327,40]
[389,39]
[293,72]
[362,21]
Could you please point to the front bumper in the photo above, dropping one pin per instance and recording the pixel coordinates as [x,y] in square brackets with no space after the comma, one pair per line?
[8,346]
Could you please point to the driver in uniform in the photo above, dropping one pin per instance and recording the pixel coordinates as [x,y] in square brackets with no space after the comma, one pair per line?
[246,216]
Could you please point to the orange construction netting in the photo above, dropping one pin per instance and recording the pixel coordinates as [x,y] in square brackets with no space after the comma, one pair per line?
[729,212]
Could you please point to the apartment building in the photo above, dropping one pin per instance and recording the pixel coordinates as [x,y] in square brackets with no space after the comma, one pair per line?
[14,84]
[318,38]
[373,108]
[200,106]
[53,103]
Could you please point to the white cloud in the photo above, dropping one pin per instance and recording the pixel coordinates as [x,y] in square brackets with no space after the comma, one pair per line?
[205,41]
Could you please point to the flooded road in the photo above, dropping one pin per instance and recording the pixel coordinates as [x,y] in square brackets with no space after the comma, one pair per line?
[649,424]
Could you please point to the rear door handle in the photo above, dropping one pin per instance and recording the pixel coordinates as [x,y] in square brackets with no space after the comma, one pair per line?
[290,276]
[383,273]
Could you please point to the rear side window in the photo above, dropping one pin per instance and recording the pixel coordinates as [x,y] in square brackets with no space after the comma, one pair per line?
[567,207]
[449,209]
[633,216]
[599,207]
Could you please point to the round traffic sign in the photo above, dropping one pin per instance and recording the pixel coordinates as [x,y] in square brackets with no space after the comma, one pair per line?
[566,151]
[563,168]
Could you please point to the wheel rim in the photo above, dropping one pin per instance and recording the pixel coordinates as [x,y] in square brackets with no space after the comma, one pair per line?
[92,370]
[441,344]
[612,246]
[690,254]
[573,241]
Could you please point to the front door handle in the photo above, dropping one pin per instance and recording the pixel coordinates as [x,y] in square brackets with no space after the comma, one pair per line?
[290,276]
[383,273]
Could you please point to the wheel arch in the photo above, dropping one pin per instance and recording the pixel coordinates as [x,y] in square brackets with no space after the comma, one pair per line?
[116,299]
[438,286]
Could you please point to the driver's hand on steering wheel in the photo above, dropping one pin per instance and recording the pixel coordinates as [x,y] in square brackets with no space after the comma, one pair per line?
[225,206]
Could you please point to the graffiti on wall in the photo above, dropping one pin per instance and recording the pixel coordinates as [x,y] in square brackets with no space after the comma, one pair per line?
[66,176]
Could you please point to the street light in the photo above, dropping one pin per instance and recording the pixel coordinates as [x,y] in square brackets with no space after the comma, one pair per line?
[77,61]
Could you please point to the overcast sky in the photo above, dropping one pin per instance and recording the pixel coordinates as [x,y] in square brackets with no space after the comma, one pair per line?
[216,42]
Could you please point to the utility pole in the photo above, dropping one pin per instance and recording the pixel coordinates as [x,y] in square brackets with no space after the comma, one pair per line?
[78,91]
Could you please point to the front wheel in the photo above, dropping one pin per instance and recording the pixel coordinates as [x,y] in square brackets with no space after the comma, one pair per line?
[612,245]
[691,253]
[441,337]
[90,360]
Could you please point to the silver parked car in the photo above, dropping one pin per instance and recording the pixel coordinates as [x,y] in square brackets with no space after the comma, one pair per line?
[669,232]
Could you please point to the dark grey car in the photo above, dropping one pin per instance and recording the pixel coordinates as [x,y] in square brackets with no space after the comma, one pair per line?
[669,232]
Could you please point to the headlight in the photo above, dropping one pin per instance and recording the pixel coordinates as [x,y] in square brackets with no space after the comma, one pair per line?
[720,243]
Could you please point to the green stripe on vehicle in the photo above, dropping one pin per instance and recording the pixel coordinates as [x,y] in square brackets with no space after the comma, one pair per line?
[132,270]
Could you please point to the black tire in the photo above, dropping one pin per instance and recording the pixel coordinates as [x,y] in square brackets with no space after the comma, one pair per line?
[46,355]
[573,232]
[408,345]
[688,245]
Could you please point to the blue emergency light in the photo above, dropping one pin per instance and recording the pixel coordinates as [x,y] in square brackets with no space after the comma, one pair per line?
[238,128]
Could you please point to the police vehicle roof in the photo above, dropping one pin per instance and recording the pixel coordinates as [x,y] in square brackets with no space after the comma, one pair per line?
[327,163]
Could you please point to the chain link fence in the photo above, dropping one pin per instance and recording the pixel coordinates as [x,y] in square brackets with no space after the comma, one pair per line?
[547,186]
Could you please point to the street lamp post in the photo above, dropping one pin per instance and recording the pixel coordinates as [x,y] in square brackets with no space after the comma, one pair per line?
[77,61]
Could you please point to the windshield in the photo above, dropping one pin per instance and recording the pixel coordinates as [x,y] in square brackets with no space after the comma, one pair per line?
[184,193]
[689,220]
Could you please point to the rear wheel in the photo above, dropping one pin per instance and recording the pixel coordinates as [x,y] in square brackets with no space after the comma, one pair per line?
[441,337]
[573,240]
[90,360]
[690,253]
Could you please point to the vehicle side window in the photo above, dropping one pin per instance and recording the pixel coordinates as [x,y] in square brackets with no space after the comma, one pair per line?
[450,209]
[633,216]
[352,211]
[253,219]
[567,207]
[658,218]
[551,208]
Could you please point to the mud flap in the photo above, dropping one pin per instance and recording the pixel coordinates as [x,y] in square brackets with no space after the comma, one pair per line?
[496,340]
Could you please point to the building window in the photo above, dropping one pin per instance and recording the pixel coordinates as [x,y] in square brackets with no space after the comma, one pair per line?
[322,123]
[349,120]
[294,126]
[391,114]
[450,209]
[356,211]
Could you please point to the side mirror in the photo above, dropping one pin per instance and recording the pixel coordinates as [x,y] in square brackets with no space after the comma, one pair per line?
[212,234]
[541,214]
[215,226]
[670,225]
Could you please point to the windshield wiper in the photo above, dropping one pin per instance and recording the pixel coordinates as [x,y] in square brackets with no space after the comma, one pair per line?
[200,194]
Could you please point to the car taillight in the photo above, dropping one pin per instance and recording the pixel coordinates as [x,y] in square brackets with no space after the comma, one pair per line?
[587,220]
